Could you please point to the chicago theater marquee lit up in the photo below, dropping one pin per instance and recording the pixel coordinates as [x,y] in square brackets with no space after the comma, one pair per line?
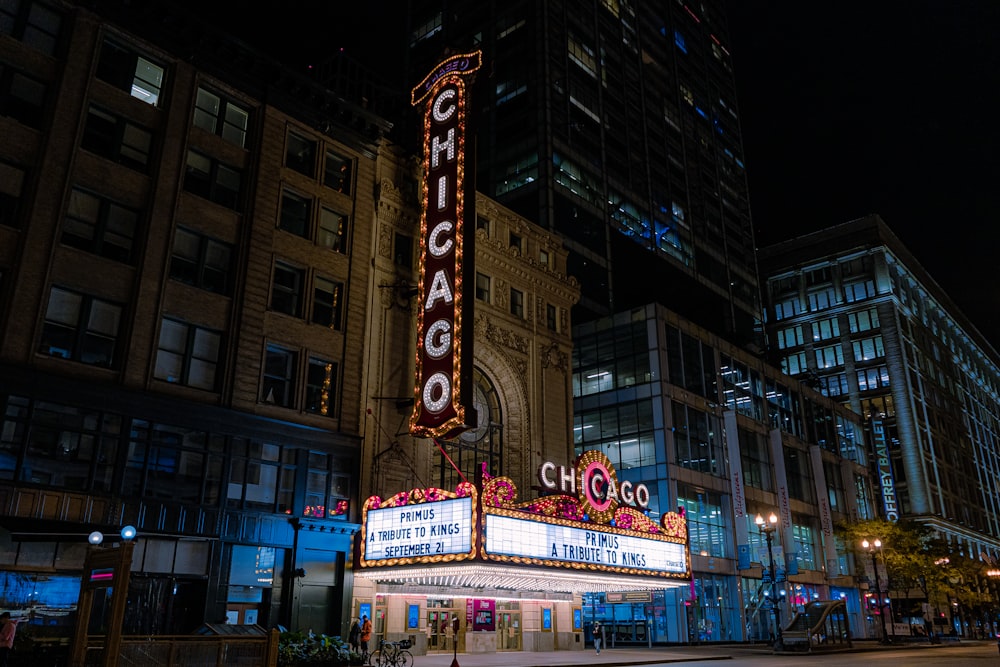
[441,360]
[591,529]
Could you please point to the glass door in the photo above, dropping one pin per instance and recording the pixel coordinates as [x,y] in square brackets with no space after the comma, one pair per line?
[508,630]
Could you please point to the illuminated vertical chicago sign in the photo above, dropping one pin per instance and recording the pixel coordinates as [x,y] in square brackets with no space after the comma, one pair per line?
[443,363]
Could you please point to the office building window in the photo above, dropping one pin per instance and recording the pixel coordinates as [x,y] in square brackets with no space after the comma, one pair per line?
[296,212]
[859,291]
[287,289]
[551,319]
[100,226]
[483,223]
[187,354]
[11,188]
[218,115]
[790,337]
[327,307]
[261,477]
[756,460]
[785,309]
[707,529]
[131,72]
[803,543]
[863,320]
[794,364]
[300,155]
[321,387]
[543,258]
[213,180]
[278,386]
[697,444]
[22,97]
[337,172]
[873,378]
[821,299]
[867,349]
[201,261]
[825,329]
[829,357]
[33,23]
[117,139]
[80,327]
[483,287]
[328,487]
[332,230]
[834,385]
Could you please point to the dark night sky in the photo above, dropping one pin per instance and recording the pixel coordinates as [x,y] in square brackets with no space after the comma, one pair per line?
[885,107]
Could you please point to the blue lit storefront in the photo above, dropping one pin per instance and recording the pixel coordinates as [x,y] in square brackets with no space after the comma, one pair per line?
[514,575]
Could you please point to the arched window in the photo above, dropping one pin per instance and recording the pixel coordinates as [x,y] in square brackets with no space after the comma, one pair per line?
[484,443]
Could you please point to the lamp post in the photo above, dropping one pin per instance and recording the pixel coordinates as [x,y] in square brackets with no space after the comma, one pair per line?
[768,527]
[872,548]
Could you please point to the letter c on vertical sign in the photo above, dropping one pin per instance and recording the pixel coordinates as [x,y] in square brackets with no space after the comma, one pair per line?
[543,475]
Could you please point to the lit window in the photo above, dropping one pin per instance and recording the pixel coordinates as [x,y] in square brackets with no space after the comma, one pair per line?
[321,387]
[332,230]
[128,71]
[337,172]
[326,308]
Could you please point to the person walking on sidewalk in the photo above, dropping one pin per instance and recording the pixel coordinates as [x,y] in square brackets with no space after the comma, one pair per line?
[598,635]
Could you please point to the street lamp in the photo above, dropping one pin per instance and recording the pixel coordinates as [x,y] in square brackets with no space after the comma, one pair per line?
[872,548]
[768,527]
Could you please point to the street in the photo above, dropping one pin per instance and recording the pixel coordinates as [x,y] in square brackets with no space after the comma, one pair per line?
[957,654]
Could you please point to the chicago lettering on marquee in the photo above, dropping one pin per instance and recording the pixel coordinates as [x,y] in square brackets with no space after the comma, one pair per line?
[439,410]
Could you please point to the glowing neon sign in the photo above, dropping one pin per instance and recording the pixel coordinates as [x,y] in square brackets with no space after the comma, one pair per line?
[438,411]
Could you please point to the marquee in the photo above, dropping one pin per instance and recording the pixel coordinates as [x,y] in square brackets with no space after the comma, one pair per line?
[486,525]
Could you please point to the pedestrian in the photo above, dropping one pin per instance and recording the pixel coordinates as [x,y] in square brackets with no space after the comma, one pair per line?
[366,636]
[354,638]
[598,636]
[8,627]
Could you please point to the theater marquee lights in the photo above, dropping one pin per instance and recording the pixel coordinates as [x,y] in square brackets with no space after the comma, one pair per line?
[439,410]
[589,529]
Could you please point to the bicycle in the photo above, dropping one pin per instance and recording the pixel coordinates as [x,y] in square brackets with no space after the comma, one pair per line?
[392,654]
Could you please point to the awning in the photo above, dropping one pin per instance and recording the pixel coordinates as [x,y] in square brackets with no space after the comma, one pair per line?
[507,578]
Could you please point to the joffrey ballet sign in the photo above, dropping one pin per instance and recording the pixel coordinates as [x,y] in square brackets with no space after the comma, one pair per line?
[438,410]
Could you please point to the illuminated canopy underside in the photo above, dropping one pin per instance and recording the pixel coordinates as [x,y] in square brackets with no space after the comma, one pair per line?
[484,577]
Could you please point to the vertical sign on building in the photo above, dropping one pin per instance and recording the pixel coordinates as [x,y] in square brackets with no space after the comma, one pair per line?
[886,481]
[737,487]
[444,350]
[825,515]
[784,496]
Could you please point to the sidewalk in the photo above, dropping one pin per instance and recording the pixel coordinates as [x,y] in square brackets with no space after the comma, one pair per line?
[583,658]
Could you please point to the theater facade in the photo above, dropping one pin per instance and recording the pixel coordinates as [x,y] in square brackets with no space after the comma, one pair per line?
[478,567]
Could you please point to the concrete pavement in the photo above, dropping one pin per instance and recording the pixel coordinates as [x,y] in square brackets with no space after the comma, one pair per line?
[584,658]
